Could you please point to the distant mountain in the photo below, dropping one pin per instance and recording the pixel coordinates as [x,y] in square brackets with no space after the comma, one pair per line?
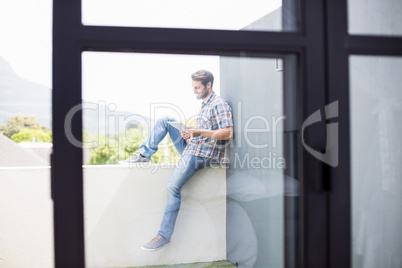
[20,97]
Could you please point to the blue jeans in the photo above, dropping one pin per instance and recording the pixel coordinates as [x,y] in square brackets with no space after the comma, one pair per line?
[159,131]
[188,165]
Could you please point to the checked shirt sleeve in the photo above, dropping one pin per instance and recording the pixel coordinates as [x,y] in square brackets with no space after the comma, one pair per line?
[223,115]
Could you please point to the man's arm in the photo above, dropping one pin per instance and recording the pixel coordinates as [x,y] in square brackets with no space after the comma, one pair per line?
[225,133]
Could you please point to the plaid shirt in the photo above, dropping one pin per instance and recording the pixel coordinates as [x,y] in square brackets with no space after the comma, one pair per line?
[215,113]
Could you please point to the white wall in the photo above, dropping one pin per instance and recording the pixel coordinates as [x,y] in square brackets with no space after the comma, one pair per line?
[26,218]
[123,209]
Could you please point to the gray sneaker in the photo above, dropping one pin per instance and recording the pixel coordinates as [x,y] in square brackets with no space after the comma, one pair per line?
[156,243]
[133,159]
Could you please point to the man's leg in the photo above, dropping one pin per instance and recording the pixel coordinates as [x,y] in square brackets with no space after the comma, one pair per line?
[150,145]
[186,168]
[158,133]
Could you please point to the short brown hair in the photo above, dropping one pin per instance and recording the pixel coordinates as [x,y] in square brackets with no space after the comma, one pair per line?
[204,76]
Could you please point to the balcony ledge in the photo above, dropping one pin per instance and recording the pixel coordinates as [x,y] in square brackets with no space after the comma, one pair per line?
[123,207]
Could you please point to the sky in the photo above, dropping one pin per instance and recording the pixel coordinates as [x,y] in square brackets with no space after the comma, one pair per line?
[148,78]
[26,38]
[130,81]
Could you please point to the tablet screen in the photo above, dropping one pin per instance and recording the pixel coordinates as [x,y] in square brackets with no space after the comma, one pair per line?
[179,126]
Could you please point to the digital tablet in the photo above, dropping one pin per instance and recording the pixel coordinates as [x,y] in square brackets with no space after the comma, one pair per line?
[179,126]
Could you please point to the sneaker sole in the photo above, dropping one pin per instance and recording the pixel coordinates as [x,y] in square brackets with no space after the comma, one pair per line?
[155,249]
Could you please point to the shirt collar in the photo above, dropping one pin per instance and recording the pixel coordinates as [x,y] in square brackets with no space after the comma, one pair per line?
[210,98]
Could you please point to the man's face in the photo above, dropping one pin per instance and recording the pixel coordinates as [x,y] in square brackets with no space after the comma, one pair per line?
[200,90]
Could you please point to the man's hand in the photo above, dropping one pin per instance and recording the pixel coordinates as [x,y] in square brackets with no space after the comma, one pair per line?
[194,132]
[185,135]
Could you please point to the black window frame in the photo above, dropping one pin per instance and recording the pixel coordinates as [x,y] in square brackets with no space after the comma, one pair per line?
[323,47]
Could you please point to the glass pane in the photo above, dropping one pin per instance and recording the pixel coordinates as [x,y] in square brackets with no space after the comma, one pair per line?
[26,208]
[376,127]
[260,217]
[259,15]
[234,210]
[375,17]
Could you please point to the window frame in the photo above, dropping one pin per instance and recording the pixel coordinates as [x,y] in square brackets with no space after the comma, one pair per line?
[322,46]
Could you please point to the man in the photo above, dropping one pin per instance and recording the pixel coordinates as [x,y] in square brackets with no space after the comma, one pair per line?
[198,147]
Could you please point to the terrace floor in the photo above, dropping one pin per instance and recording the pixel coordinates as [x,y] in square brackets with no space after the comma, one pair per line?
[216,264]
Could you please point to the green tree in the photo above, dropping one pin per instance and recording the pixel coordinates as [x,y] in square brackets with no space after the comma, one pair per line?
[16,124]
[27,134]
[130,141]
[105,153]
[111,150]
[104,156]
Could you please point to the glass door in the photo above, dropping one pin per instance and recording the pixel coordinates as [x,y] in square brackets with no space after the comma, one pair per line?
[245,211]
